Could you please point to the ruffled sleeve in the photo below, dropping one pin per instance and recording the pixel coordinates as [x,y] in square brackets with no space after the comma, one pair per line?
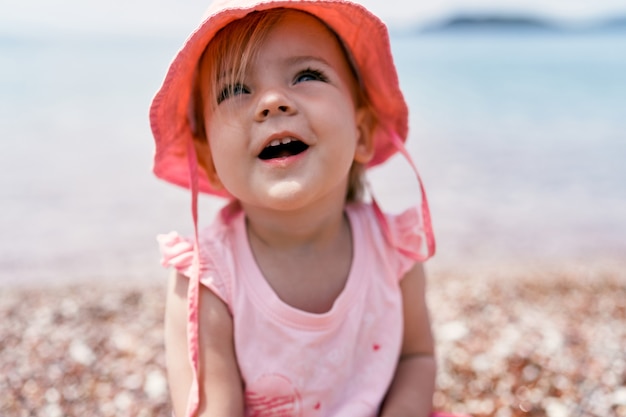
[407,237]
[177,252]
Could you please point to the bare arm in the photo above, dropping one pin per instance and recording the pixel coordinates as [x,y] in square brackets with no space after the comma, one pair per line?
[221,392]
[411,391]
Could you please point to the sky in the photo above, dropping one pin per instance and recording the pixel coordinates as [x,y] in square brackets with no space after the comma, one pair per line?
[178,16]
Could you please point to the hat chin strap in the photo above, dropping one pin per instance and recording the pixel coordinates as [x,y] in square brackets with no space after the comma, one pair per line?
[193,299]
[425,211]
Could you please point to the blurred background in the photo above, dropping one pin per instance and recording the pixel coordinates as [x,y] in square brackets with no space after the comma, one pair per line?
[518,127]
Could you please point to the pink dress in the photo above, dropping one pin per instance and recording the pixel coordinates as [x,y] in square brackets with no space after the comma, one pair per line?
[295,363]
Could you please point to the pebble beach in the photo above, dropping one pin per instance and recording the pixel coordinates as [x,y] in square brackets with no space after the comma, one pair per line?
[523,341]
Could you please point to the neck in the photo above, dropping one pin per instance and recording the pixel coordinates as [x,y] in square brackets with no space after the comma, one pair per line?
[311,227]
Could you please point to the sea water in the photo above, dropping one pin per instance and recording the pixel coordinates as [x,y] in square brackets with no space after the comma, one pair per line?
[520,138]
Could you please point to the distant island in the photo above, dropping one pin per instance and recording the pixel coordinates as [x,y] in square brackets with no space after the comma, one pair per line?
[468,22]
[463,22]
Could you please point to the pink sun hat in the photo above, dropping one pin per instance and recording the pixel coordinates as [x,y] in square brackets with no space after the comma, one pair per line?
[365,37]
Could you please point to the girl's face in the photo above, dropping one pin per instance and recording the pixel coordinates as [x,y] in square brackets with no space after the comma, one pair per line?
[285,135]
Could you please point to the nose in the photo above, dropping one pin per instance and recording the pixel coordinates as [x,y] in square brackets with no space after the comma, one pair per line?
[273,103]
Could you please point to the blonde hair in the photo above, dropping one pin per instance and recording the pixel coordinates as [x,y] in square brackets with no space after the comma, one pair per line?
[229,54]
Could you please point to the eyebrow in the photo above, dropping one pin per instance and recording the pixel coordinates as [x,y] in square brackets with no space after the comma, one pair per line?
[294,60]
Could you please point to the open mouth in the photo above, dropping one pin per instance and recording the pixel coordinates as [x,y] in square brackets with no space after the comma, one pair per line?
[283,148]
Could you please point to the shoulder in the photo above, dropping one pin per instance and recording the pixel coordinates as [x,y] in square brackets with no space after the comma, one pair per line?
[215,251]
[400,238]
[403,231]
[177,250]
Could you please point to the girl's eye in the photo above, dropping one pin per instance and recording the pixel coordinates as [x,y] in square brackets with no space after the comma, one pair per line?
[231,90]
[310,74]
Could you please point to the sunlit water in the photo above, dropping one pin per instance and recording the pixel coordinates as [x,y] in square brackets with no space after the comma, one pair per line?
[520,139]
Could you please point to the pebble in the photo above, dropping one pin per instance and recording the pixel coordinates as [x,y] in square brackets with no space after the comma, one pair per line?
[452,331]
[619,396]
[82,353]
[155,386]
[555,408]
[123,400]
[52,410]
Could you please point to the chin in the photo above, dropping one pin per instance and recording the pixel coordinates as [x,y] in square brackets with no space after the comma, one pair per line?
[286,194]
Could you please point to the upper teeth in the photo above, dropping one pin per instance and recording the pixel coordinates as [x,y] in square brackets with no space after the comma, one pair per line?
[283,141]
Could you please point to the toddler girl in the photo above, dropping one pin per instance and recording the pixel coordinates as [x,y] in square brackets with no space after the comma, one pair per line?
[302,298]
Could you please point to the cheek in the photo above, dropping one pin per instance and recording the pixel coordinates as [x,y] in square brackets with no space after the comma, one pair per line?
[336,112]
[340,122]
[221,134]
[227,149]
[221,153]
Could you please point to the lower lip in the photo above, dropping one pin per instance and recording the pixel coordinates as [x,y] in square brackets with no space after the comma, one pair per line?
[285,161]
